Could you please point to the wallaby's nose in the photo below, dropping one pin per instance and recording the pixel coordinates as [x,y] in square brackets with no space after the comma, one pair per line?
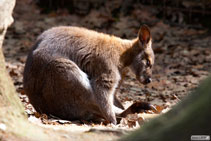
[148,80]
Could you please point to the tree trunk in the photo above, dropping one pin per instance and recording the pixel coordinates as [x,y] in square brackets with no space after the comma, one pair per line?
[8,96]
[11,111]
[190,117]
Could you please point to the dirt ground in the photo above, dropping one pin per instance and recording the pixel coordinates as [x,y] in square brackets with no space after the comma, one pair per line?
[183,58]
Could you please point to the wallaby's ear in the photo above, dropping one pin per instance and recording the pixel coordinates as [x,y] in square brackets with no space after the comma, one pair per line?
[144,34]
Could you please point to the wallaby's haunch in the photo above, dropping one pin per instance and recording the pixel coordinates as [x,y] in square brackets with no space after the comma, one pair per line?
[72,72]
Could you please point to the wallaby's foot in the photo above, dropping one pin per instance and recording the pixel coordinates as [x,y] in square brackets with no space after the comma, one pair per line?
[109,113]
[137,107]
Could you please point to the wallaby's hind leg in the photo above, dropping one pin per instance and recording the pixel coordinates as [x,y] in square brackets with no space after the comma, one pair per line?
[67,91]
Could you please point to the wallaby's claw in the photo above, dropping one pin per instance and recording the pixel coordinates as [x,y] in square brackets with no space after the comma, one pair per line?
[152,107]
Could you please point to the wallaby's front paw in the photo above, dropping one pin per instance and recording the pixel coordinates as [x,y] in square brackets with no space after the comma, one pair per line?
[111,119]
[114,121]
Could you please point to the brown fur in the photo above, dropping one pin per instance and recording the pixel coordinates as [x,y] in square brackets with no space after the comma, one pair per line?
[72,72]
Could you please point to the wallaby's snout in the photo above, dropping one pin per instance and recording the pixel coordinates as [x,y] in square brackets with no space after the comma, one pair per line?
[147,80]
[144,80]
[147,75]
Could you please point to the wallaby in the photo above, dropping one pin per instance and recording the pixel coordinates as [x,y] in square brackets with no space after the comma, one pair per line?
[72,72]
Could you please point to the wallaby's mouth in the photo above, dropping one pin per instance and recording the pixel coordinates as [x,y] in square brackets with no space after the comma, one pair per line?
[144,81]
[147,81]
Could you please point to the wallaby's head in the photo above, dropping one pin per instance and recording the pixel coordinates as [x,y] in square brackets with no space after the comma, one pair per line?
[143,62]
